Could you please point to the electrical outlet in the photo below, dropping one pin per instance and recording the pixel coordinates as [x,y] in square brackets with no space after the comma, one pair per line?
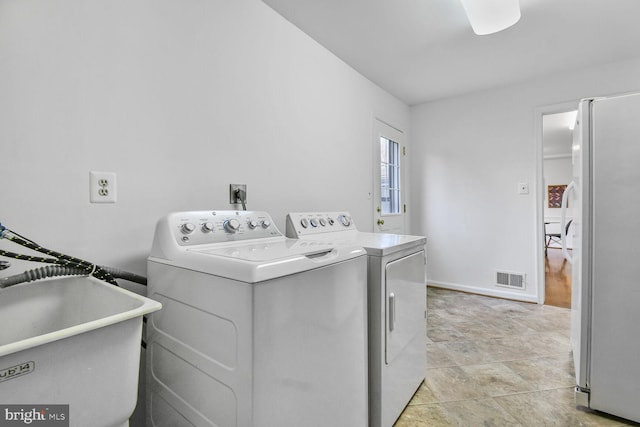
[233,197]
[102,187]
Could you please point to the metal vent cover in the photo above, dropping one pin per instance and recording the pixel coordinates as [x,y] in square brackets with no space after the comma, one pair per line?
[510,279]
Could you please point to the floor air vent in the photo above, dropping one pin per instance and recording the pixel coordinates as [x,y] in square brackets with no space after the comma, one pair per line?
[510,279]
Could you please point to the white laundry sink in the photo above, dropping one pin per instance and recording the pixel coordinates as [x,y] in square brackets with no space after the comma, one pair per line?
[72,341]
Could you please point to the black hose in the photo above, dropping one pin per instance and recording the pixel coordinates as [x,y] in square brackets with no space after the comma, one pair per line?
[60,258]
[121,274]
[64,265]
[22,257]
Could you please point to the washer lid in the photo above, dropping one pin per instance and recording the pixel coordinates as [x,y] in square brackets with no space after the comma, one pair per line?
[269,250]
[261,259]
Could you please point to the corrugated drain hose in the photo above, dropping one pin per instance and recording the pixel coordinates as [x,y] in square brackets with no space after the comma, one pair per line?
[56,271]
[41,273]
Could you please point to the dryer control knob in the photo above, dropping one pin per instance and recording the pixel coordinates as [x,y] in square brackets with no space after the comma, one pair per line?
[207,227]
[231,225]
[344,220]
[266,223]
[187,228]
[323,222]
[313,222]
[252,223]
[304,222]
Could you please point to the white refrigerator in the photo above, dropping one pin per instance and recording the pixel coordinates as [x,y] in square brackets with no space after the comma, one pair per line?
[605,195]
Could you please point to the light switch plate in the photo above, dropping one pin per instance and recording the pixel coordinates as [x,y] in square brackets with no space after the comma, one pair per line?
[523,188]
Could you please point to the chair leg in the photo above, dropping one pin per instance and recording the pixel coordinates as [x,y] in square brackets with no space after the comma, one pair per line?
[546,245]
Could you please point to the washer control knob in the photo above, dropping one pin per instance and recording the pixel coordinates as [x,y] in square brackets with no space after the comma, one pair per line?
[207,227]
[331,221]
[252,223]
[344,220]
[304,222]
[187,228]
[314,222]
[266,223]
[231,225]
[323,222]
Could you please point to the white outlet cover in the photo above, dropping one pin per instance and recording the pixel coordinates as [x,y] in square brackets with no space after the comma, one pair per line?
[103,187]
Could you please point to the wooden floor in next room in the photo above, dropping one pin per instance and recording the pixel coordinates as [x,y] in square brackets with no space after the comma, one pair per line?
[557,279]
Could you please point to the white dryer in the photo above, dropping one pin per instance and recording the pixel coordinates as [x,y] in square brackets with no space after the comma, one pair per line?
[256,329]
[397,304]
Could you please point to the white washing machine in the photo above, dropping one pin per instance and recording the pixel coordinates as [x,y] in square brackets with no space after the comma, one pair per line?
[397,304]
[256,329]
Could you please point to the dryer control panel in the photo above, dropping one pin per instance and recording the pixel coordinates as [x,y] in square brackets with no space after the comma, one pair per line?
[310,223]
[205,227]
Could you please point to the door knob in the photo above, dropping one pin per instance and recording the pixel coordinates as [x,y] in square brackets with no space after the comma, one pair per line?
[380,221]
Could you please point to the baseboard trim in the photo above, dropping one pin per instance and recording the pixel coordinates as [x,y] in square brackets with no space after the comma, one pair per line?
[497,293]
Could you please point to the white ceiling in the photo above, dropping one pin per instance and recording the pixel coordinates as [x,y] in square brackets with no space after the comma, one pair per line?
[557,134]
[422,50]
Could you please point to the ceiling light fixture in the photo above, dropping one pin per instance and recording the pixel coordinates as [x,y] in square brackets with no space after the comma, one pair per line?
[491,16]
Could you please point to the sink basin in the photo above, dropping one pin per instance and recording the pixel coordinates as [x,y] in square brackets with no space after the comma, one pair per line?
[72,341]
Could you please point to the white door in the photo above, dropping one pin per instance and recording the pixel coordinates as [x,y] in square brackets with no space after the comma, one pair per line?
[406,294]
[388,198]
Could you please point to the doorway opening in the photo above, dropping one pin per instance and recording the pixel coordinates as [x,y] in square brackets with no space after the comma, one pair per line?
[555,174]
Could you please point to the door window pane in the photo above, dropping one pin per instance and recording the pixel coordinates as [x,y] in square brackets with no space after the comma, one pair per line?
[389,176]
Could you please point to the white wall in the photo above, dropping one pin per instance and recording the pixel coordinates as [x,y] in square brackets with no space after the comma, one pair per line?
[469,153]
[180,99]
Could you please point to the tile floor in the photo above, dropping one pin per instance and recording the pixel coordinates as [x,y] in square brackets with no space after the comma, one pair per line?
[494,362]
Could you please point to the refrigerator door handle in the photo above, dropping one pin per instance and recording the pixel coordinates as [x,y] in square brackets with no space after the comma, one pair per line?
[563,220]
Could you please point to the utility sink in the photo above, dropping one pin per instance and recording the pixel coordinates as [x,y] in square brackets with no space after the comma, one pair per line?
[72,341]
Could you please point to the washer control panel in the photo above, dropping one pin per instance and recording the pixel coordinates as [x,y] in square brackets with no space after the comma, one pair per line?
[204,227]
[309,223]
